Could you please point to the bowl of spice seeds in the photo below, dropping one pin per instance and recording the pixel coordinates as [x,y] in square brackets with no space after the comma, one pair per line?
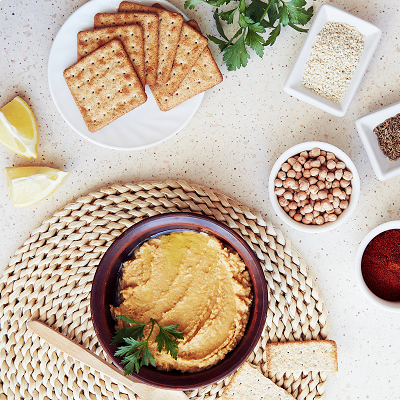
[380,134]
[332,60]
[314,187]
[378,266]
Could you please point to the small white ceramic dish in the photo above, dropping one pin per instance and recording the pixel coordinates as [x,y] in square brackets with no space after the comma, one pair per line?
[355,182]
[293,86]
[384,168]
[142,127]
[384,304]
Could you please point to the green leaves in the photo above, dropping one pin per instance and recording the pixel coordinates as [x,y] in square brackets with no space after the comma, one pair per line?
[253,21]
[136,353]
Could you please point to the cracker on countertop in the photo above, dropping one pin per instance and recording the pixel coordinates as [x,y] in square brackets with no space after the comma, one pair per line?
[104,85]
[169,29]
[250,384]
[311,355]
[131,37]
[190,46]
[149,23]
[204,75]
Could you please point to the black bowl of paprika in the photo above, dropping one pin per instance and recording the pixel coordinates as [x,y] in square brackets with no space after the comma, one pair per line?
[378,266]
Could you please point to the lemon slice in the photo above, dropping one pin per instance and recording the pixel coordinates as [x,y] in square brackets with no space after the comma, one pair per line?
[29,185]
[18,128]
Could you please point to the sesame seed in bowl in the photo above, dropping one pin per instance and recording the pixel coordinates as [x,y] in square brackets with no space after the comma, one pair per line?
[343,45]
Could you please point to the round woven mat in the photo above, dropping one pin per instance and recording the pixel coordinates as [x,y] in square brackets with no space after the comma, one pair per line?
[50,279]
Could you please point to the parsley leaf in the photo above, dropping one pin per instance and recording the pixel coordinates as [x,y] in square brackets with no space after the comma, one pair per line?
[236,55]
[253,20]
[136,353]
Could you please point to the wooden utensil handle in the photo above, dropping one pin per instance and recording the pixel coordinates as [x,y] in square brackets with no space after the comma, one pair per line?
[82,354]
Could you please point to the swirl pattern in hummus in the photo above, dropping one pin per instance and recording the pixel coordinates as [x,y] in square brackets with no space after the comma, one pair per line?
[193,280]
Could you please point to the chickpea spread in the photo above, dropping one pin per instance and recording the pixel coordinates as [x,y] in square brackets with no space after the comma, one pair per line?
[193,280]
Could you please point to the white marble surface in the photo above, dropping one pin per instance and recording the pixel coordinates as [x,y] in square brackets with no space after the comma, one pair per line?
[230,145]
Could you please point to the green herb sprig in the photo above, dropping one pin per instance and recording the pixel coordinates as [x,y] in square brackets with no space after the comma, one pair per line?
[135,352]
[254,20]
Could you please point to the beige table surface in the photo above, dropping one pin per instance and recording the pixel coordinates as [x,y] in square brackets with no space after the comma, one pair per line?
[230,145]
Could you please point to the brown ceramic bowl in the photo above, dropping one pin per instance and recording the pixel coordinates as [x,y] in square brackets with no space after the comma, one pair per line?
[105,282]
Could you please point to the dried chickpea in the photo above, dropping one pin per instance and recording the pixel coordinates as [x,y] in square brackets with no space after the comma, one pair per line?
[302,159]
[313,187]
[340,165]
[347,175]
[283,202]
[344,183]
[323,194]
[331,164]
[285,167]
[314,171]
[281,175]
[330,156]
[297,166]
[338,174]
[291,161]
[330,177]
[315,152]
[298,217]
[321,185]
[304,184]
[288,195]
[315,164]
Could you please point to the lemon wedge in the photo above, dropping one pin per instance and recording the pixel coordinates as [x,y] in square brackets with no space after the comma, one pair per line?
[29,185]
[18,128]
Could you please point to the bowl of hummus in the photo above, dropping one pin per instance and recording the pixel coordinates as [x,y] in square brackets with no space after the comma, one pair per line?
[190,271]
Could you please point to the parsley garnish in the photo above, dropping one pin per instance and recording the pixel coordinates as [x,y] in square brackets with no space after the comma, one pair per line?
[135,352]
[254,20]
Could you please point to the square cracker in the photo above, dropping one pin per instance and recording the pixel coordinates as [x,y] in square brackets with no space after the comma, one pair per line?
[149,23]
[310,355]
[250,384]
[190,46]
[104,85]
[169,29]
[131,37]
[204,75]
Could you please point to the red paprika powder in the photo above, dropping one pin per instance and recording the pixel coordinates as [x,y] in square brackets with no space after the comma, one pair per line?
[380,265]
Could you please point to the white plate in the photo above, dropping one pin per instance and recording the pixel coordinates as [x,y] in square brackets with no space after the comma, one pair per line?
[144,126]
[355,183]
[293,86]
[383,167]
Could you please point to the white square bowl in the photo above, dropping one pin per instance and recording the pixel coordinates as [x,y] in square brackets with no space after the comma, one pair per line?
[293,86]
[383,167]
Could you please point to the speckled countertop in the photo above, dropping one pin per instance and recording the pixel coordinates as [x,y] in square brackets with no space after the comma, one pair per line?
[230,145]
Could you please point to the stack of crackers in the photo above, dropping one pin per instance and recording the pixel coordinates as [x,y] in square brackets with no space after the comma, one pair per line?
[137,46]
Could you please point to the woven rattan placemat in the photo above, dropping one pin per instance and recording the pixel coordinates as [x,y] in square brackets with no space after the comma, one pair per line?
[50,278]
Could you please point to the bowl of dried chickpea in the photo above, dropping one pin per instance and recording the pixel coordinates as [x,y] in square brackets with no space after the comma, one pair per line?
[314,187]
